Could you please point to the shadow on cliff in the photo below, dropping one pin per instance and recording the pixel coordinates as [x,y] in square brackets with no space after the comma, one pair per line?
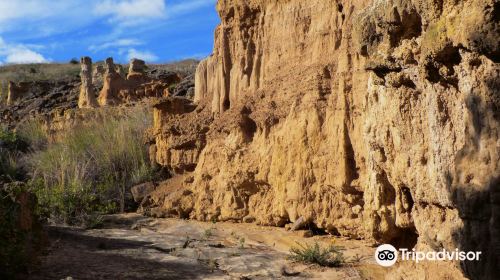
[480,213]
[479,204]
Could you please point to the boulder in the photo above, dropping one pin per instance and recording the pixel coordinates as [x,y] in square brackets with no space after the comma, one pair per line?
[141,191]
[300,223]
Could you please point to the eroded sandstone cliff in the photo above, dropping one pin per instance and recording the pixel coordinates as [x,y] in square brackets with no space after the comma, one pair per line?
[370,119]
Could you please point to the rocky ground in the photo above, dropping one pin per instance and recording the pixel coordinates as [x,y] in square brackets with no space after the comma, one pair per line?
[135,247]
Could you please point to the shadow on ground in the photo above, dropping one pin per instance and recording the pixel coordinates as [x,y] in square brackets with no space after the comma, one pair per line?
[80,256]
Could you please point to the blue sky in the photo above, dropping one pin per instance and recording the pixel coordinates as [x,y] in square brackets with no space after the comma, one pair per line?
[58,30]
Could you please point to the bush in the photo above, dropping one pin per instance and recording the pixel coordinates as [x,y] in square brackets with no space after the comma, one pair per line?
[89,169]
[11,148]
[21,235]
[314,254]
[33,134]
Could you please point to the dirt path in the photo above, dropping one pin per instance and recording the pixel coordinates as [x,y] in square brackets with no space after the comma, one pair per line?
[134,247]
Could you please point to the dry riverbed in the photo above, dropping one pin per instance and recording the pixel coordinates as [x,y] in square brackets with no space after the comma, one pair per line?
[131,246]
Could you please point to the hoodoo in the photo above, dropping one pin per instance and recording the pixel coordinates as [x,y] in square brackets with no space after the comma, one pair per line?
[87,97]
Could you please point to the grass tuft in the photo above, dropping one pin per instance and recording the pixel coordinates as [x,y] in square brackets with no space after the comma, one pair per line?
[331,256]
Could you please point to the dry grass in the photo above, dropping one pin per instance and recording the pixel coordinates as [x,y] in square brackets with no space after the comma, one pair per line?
[90,169]
[183,66]
[331,256]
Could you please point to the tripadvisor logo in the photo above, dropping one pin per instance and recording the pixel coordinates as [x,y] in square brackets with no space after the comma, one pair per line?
[386,255]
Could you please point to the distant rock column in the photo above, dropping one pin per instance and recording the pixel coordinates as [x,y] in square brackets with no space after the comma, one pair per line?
[113,83]
[14,93]
[87,95]
[119,70]
[98,76]
[10,97]
[136,71]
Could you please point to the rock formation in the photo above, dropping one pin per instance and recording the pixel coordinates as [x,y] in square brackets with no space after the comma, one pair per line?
[87,95]
[117,90]
[113,83]
[17,91]
[98,76]
[136,71]
[370,119]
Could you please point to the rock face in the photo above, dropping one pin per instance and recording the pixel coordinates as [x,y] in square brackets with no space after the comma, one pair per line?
[370,119]
[17,91]
[40,98]
[87,95]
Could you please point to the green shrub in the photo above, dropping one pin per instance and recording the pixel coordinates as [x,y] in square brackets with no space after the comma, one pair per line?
[11,148]
[90,168]
[314,254]
[19,244]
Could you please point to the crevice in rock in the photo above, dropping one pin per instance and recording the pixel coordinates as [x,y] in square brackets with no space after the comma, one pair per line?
[249,127]
[408,26]
[381,69]
[449,56]
[350,161]
[407,199]
[406,238]
[226,104]
[247,124]
[388,190]
[340,7]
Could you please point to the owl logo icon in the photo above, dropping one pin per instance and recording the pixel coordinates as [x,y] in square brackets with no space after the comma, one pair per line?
[386,255]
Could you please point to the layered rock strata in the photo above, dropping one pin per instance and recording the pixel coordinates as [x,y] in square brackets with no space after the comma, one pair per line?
[370,119]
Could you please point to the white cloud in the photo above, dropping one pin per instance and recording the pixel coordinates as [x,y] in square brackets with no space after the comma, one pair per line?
[33,27]
[23,55]
[43,17]
[18,54]
[144,55]
[130,12]
[115,44]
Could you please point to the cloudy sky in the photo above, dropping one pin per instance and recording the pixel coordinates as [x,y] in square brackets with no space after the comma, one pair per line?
[58,30]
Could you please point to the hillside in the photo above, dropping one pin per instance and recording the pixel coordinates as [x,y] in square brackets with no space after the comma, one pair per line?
[60,72]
